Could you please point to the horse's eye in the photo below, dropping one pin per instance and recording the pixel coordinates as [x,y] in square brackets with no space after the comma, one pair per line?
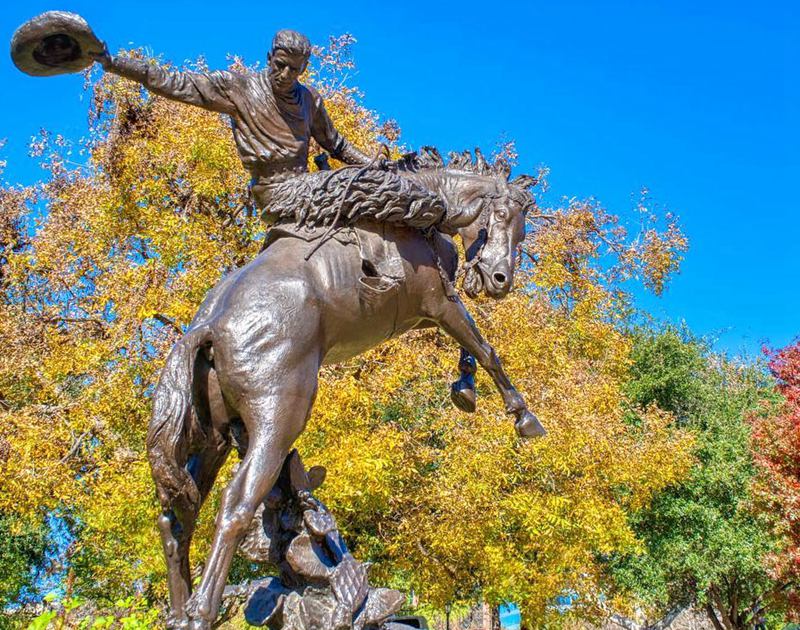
[501,213]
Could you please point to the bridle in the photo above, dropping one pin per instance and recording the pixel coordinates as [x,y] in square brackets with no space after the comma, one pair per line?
[483,235]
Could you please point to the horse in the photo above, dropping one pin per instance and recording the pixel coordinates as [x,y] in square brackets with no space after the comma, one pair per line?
[245,372]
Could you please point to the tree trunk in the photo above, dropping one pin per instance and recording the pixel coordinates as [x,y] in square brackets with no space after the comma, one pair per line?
[495,618]
[712,615]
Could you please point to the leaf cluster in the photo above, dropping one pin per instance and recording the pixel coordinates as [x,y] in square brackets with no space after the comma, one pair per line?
[704,543]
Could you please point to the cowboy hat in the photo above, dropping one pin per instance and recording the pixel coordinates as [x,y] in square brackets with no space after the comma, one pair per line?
[55,42]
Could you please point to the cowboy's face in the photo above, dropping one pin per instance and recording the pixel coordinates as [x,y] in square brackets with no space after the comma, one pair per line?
[284,69]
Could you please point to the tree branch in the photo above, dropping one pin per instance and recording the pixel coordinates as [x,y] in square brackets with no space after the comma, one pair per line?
[667,619]
[714,592]
[76,445]
[624,622]
[661,624]
[448,569]
[168,322]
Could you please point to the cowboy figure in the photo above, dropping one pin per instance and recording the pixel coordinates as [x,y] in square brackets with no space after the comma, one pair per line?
[273,116]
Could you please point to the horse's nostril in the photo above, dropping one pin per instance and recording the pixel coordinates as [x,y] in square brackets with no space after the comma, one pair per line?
[499,278]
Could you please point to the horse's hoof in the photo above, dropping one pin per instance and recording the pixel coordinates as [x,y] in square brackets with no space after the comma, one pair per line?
[528,426]
[463,397]
[198,614]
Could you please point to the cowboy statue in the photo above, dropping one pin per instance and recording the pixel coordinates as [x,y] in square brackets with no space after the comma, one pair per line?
[358,256]
[273,119]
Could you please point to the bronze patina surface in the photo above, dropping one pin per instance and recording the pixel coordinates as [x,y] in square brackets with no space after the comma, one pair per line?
[55,42]
[359,256]
[248,364]
[321,584]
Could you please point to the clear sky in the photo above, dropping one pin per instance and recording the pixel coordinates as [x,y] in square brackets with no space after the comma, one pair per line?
[697,101]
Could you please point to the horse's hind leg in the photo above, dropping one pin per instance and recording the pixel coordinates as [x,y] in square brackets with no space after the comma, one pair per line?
[176,523]
[273,422]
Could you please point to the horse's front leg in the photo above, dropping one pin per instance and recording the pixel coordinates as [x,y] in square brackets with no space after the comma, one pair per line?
[456,321]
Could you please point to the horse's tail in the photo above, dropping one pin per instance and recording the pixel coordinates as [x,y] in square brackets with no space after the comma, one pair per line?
[173,424]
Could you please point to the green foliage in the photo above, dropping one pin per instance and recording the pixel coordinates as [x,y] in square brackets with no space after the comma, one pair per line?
[704,544]
[131,613]
[22,545]
[668,370]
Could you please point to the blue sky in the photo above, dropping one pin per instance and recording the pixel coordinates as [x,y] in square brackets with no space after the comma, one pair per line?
[697,101]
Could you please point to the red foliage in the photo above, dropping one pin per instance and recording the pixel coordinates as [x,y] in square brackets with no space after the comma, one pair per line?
[776,451]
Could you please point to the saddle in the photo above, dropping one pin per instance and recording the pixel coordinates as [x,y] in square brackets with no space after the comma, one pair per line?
[381,264]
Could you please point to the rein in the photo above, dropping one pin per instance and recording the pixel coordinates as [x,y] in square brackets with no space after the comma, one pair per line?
[474,260]
[334,227]
[483,238]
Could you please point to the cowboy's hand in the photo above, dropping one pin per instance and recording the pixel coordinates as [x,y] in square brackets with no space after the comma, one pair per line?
[386,164]
[103,58]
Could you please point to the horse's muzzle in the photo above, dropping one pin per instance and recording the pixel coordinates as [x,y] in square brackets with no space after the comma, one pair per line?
[498,281]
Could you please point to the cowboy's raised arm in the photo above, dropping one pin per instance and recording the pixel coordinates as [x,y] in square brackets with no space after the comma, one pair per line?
[207,90]
[324,132]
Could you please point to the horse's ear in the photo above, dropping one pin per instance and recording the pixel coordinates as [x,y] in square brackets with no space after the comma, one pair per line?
[525,181]
[298,478]
[316,475]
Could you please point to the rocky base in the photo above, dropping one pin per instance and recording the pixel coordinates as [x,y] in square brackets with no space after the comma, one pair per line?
[321,586]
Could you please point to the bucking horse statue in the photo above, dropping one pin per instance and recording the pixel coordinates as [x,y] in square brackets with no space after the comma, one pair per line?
[245,372]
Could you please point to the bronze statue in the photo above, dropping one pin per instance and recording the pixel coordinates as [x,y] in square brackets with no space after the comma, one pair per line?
[273,115]
[249,362]
[359,256]
[273,118]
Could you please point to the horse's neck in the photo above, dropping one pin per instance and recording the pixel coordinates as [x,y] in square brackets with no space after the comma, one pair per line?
[463,192]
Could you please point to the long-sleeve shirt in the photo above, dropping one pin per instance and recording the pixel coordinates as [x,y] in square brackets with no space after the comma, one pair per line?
[271,131]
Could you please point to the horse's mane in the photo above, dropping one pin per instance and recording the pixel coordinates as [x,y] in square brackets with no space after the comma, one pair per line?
[429,157]
[324,197]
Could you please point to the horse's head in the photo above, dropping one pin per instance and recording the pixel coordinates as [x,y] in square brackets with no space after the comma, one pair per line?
[488,212]
[492,241]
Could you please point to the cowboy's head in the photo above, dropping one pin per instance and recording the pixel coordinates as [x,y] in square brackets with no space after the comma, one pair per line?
[287,60]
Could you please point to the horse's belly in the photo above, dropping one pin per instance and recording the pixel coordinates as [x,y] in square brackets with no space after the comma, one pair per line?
[362,305]
[359,318]
[368,337]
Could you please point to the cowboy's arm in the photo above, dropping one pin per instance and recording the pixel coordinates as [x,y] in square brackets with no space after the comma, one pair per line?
[329,138]
[206,90]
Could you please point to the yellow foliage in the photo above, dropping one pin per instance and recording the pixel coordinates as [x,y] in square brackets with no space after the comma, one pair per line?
[456,502]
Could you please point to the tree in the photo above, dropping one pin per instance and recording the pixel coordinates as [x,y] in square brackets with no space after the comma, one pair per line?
[705,545]
[22,546]
[108,262]
[776,448]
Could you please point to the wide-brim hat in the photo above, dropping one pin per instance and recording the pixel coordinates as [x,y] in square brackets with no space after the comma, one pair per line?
[55,42]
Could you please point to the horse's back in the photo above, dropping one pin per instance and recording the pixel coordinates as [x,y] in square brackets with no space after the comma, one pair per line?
[332,303]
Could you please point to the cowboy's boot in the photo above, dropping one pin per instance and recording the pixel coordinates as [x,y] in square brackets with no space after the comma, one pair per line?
[462,392]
